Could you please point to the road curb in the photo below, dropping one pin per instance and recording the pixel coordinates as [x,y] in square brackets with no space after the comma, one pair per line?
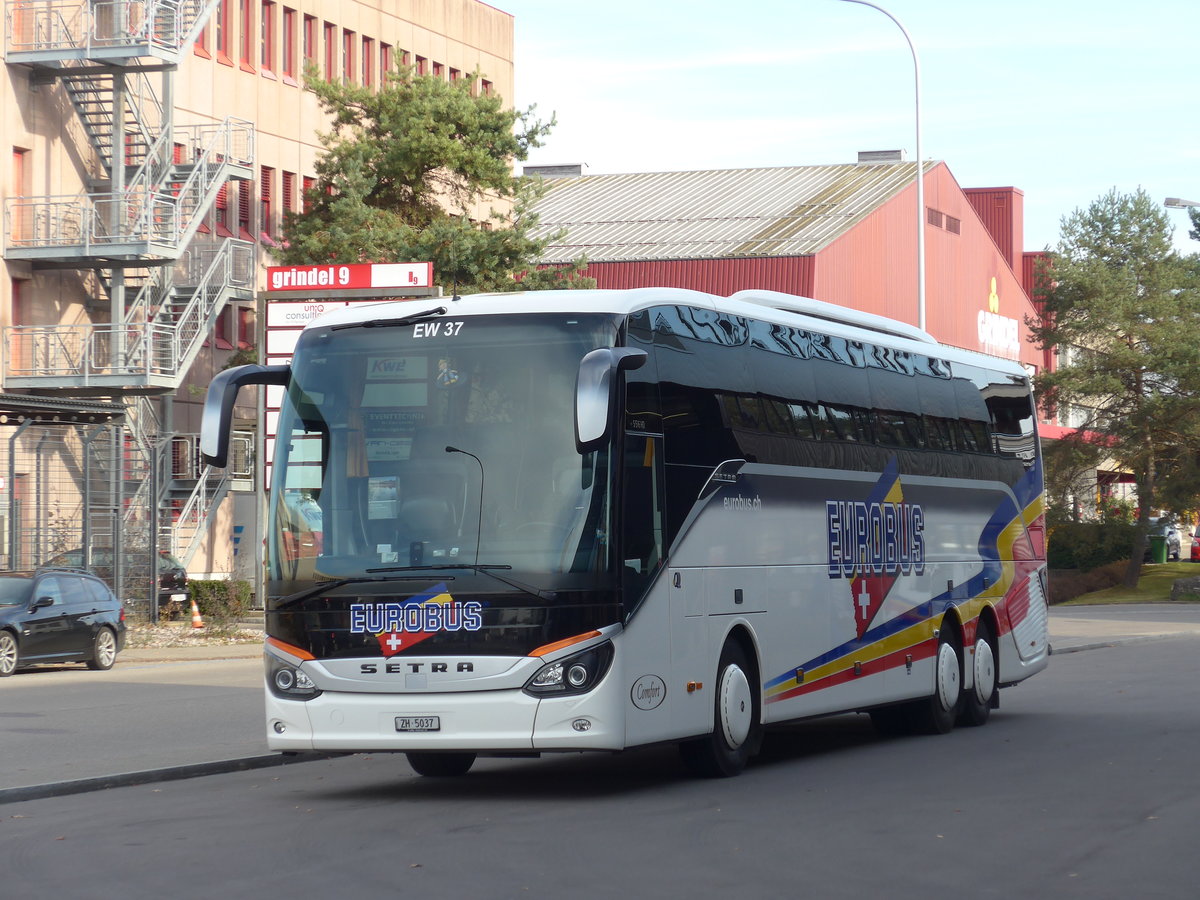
[155,776]
[1112,642]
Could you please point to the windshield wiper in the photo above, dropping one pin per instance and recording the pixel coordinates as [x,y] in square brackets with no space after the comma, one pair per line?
[336,583]
[485,569]
[392,323]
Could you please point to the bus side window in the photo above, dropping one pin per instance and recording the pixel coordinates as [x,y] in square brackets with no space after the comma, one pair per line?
[1012,426]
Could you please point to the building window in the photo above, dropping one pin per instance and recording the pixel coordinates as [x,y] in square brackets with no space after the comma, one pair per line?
[287,192]
[200,48]
[953,225]
[310,39]
[330,51]
[267,28]
[933,217]
[221,212]
[309,184]
[264,206]
[245,327]
[288,56]
[246,55]
[386,61]
[246,211]
[221,329]
[438,70]
[455,74]
[485,87]
[223,31]
[348,56]
[368,61]
[422,65]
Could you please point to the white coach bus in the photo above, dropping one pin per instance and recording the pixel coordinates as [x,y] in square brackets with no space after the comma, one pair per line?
[517,523]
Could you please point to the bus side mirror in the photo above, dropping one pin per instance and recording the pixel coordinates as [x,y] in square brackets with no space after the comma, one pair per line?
[593,392]
[217,422]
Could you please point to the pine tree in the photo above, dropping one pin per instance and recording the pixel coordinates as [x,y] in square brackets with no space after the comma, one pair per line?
[1126,309]
[419,171]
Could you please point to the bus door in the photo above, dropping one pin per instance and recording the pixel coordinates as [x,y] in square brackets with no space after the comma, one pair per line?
[642,516]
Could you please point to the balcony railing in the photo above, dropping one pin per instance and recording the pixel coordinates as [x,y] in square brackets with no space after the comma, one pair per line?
[158,349]
[146,219]
[102,28]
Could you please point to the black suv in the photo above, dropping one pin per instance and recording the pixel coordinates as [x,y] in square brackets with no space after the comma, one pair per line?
[55,616]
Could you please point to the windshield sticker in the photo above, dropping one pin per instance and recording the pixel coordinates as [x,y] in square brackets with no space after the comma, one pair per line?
[398,625]
[874,542]
[390,368]
[447,375]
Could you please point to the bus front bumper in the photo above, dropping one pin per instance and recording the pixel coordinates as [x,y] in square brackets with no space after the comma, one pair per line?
[478,721]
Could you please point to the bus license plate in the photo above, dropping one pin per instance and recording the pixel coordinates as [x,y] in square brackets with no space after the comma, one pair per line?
[418,723]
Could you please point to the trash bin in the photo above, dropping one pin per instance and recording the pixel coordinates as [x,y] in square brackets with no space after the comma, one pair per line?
[1158,548]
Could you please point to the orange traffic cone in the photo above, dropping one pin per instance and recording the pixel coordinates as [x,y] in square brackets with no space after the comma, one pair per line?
[197,622]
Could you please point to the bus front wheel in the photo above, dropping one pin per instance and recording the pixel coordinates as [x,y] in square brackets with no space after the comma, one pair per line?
[737,729]
[441,765]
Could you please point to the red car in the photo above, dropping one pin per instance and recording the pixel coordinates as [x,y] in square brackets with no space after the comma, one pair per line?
[1196,546]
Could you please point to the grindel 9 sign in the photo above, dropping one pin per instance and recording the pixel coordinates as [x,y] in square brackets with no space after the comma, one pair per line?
[350,277]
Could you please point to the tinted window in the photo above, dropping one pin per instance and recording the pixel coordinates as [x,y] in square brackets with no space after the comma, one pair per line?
[97,593]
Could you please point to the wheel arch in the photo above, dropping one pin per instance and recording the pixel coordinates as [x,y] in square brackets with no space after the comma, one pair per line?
[741,634]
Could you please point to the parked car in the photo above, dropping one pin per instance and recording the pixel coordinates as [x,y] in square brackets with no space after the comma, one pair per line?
[55,616]
[1196,546]
[172,576]
[1164,528]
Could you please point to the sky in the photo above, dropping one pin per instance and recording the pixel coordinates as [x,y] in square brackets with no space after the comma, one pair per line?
[1063,99]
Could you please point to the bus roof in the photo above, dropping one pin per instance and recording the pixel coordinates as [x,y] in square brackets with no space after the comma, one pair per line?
[769,306]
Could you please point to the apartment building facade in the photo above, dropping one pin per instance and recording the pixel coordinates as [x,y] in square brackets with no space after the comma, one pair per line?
[154,147]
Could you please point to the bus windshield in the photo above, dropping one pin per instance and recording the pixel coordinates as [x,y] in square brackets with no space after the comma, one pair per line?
[439,442]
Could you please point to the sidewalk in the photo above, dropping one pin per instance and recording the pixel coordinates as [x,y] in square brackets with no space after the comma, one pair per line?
[1072,628]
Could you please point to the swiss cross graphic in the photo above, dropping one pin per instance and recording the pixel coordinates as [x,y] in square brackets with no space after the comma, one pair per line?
[393,642]
[868,589]
[869,593]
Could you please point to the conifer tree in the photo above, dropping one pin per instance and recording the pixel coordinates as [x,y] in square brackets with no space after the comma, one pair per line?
[421,170]
[1123,310]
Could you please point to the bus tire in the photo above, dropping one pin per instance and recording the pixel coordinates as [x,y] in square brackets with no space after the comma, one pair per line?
[936,713]
[977,702]
[737,727]
[441,765]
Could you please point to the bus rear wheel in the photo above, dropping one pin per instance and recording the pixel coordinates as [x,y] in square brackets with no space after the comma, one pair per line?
[936,713]
[441,765]
[737,729]
[977,702]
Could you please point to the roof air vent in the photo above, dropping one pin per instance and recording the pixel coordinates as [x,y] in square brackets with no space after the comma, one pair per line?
[880,156]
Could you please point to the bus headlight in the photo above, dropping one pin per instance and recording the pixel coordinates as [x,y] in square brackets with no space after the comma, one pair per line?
[288,682]
[574,674]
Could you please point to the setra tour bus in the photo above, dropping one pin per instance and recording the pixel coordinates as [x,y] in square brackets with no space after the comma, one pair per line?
[519,523]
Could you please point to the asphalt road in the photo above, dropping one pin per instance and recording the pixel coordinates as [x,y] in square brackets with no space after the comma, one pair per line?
[1083,785]
[68,723]
[159,714]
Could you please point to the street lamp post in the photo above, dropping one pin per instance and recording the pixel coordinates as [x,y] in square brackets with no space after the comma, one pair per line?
[1176,203]
[920,164]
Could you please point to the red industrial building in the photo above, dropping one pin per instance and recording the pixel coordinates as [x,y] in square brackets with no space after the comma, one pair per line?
[839,233]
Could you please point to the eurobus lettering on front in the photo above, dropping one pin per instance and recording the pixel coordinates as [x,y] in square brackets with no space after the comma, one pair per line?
[564,522]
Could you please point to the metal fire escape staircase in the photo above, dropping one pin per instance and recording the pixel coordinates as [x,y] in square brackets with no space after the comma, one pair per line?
[149,184]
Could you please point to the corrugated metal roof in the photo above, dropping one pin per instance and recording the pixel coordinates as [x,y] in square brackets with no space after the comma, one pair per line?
[720,213]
